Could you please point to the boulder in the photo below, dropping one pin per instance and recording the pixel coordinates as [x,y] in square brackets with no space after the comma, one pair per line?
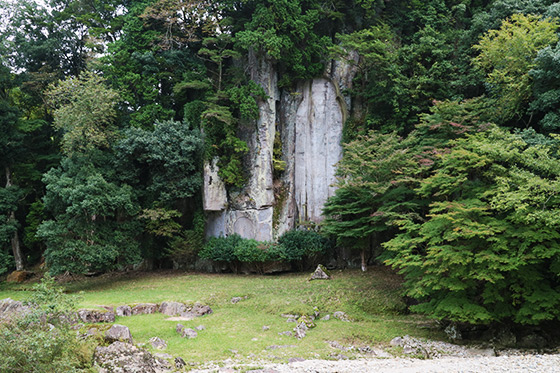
[179,363]
[10,308]
[189,333]
[124,311]
[127,358]
[95,316]
[144,308]
[200,310]
[118,333]
[321,273]
[341,316]
[18,276]
[300,330]
[172,308]
[158,343]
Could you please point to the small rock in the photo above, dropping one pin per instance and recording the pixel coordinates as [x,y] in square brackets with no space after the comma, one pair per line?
[291,320]
[265,328]
[300,331]
[179,363]
[408,350]
[172,308]
[158,343]
[189,333]
[295,359]
[200,327]
[201,310]
[307,320]
[124,311]
[341,316]
[288,316]
[162,355]
[453,332]
[288,333]
[321,273]
[326,318]
[254,339]
[118,333]
[397,341]
[233,351]
[10,308]
[95,316]
[179,328]
[144,308]
[236,300]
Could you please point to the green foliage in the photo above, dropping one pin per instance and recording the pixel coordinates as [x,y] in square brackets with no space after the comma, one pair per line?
[298,245]
[162,164]
[42,341]
[84,112]
[487,249]
[90,231]
[507,55]
[183,249]
[374,187]
[6,262]
[159,221]
[546,88]
[234,249]
[284,30]
[221,249]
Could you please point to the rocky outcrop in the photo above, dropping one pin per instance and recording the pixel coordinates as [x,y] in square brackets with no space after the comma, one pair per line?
[124,311]
[10,309]
[172,308]
[95,316]
[118,333]
[126,358]
[309,121]
[144,308]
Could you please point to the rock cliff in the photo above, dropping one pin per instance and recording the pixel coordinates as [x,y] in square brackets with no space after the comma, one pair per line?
[309,121]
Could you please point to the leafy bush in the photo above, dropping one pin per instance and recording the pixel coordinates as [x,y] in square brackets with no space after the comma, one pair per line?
[302,245]
[6,262]
[42,341]
[221,249]
[488,250]
[235,249]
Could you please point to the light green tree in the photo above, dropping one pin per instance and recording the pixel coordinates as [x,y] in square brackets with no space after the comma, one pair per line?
[84,112]
[508,54]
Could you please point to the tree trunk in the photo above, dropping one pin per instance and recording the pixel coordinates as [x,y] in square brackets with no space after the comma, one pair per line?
[16,247]
[364,263]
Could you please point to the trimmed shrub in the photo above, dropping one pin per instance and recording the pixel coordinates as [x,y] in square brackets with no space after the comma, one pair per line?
[302,247]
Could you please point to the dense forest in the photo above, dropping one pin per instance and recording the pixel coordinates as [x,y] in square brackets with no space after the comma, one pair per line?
[450,172]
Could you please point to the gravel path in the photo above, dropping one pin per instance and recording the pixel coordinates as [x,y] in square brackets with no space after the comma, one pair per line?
[527,363]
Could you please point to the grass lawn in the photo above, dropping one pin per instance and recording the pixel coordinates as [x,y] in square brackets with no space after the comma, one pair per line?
[235,331]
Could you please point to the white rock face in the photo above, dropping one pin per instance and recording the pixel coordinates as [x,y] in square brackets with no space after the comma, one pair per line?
[318,132]
[310,121]
[215,195]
